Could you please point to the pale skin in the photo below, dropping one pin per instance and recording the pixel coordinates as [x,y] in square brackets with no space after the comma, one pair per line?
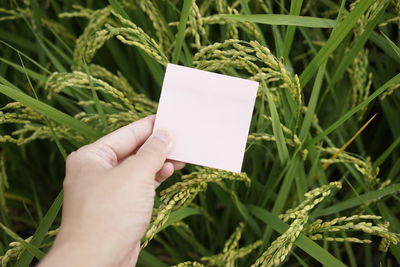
[109,191]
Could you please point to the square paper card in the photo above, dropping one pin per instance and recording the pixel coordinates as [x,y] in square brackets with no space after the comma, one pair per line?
[208,114]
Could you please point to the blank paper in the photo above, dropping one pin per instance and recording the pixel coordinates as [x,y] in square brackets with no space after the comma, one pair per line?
[208,114]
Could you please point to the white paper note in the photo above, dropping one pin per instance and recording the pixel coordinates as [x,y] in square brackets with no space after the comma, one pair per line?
[208,115]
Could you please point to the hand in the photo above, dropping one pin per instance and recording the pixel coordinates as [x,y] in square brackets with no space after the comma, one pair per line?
[109,191]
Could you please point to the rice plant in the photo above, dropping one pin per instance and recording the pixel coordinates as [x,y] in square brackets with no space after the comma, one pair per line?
[321,174]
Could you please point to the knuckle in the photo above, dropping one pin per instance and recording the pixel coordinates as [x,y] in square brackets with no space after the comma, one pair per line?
[133,132]
[96,152]
[75,156]
[66,183]
[106,153]
[72,158]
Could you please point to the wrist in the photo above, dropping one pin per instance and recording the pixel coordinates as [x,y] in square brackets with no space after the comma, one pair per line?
[68,253]
[79,250]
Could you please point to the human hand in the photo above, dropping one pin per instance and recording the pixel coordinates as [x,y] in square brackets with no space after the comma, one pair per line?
[109,191]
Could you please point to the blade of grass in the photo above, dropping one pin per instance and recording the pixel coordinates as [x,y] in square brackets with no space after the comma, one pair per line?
[287,20]
[345,145]
[55,138]
[99,108]
[119,9]
[29,247]
[337,36]
[50,112]
[352,111]
[181,31]
[37,14]
[26,56]
[312,104]
[295,7]
[191,240]
[286,184]
[36,201]
[33,74]
[356,48]
[37,32]
[284,190]
[388,215]
[16,197]
[247,11]
[276,34]
[26,257]
[61,53]
[62,42]
[242,209]
[7,54]
[153,66]
[386,153]
[56,63]
[148,259]
[354,190]
[17,40]
[381,42]
[357,201]
[245,214]
[179,215]
[277,40]
[278,133]
[392,45]
[303,242]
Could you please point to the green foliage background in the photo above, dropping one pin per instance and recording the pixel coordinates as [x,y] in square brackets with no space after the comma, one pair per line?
[72,71]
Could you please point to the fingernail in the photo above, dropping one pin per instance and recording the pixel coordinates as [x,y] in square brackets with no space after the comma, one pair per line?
[165,136]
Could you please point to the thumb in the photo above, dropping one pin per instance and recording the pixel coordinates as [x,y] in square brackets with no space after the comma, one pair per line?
[153,153]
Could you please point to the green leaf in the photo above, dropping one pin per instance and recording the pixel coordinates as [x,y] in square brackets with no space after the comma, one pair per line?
[50,112]
[337,36]
[25,56]
[116,5]
[360,200]
[179,215]
[247,11]
[34,75]
[386,153]
[26,257]
[388,215]
[55,138]
[17,39]
[59,51]
[295,7]
[284,190]
[303,242]
[348,58]
[290,20]
[96,100]
[312,103]
[276,127]
[28,246]
[181,30]
[148,259]
[352,111]
[382,43]
[245,214]
[393,46]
